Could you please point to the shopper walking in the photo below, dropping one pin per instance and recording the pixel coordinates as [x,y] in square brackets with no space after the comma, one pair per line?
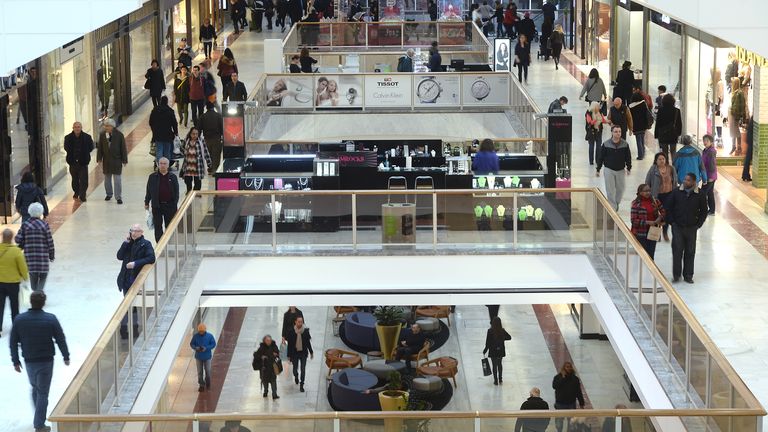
[163,194]
[155,82]
[510,17]
[299,348]
[594,121]
[78,145]
[28,192]
[594,89]
[235,91]
[196,94]
[522,57]
[646,212]
[207,37]
[181,95]
[745,172]
[689,160]
[306,61]
[556,44]
[527,27]
[498,15]
[737,114]
[237,12]
[435,59]
[203,344]
[226,67]
[709,160]
[13,269]
[662,178]
[135,253]
[282,10]
[494,347]
[196,160]
[534,402]
[289,320]
[669,126]
[257,14]
[686,212]
[615,155]
[113,155]
[162,121]
[567,391]
[641,121]
[35,332]
[625,79]
[213,128]
[619,115]
[547,27]
[183,53]
[35,239]
[266,360]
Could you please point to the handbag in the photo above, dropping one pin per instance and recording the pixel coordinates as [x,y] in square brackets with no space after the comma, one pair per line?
[486,366]
[146,84]
[277,366]
[25,291]
[654,233]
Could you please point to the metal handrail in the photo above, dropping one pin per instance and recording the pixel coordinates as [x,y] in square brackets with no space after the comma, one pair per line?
[754,407]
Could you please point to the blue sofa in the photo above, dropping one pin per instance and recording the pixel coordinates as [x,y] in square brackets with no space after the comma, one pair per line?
[347,387]
[360,330]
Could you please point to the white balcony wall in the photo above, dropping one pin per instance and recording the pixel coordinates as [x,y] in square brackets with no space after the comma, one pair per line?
[741,22]
[31,28]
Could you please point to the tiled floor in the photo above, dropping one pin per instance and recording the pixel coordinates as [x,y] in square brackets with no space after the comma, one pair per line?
[729,296]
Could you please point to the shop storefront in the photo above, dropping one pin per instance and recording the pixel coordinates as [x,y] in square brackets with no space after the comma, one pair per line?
[629,29]
[182,20]
[593,32]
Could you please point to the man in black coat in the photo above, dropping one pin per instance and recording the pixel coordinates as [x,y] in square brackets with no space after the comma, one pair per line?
[135,253]
[165,127]
[411,342]
[212,126]
[155,82]
[235,90]
[534,402]
[299,347]
[686,212]
[163,193]
[78,146]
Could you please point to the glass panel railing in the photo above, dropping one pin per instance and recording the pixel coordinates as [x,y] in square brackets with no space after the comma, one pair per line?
[312,221]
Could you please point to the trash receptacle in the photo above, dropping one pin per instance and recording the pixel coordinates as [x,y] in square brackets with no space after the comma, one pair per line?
[398,223]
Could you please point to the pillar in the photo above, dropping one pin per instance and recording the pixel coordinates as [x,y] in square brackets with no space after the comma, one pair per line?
[760,114]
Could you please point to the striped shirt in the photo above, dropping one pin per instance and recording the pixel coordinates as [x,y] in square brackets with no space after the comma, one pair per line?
[36,240]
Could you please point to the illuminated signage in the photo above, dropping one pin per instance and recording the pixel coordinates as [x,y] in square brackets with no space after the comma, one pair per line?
[749,57]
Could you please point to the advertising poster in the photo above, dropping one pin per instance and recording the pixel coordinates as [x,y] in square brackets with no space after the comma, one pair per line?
[289,91]
[387,90]
[450,10]
[234,132]
[490,89]
[437,90]
[338,91]
[501,55]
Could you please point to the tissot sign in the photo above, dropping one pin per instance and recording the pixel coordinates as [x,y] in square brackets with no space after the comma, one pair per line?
[387,91]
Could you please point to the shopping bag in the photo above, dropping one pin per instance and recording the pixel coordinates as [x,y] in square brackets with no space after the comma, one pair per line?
[654,233]
[177,148]
[152,148]
[24,292]
[284,351]
[150,220]
[486,367]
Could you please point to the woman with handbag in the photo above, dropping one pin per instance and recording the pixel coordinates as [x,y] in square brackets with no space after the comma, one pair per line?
[594,120]
[266,360]
[494,346]
[662,178]
[646,214]
[196,161]
[594,89]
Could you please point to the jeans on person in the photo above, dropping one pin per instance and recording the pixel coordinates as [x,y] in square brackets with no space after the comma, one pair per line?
[40,375]
[11,291]
[497,368]
[640,138]
[559,420]
[163,149]
[648,245]
[669,149]
[203,366]
[207,48]
[662,197]
[405,352]
[79,175]
[615,183]
[594,146]
[162,214]
[299,366]
[124,321]
[683,250]
[37,280]
[709,189]
[183,109]
[509,29]
[197,110]
[189,180]
[118,185]
[499,29]
[522,72]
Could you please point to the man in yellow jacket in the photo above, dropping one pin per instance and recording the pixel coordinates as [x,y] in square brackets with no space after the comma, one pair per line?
[13,269]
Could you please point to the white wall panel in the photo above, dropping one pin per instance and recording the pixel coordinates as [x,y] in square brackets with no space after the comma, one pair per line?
[32,28]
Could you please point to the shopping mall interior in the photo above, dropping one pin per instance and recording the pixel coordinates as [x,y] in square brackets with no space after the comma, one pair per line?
[350,195]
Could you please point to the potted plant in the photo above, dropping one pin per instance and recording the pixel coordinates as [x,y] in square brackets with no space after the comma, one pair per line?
[388,325]
[394,398]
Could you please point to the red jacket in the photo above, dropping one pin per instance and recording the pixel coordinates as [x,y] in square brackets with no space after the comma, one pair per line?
[196,91]
[509,17]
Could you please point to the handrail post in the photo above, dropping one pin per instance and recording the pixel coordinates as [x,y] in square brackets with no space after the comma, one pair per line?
[336,425]
[274,222]
[144,302]
[434,219]
[130,335]
[98,386]
[707,381]
[116,354]
[626,270]
[514,220]
[687,360]
[195,425]
[639,283]
[669,330]
[184,228]
[354,221]
[193,228]
[617,425]
[653,311]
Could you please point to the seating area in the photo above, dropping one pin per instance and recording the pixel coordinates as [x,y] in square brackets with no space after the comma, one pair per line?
[443,367]
[338,359]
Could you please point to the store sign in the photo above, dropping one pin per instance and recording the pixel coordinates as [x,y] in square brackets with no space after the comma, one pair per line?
[749,57]
[71,50]
[387,90]
[357,159]
[437,90]
[486,89]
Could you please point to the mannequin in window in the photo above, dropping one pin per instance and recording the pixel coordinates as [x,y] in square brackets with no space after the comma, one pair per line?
[736,115]
[745,79]
[715,94]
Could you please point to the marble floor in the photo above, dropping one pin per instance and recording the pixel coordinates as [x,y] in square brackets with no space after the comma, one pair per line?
[729,296]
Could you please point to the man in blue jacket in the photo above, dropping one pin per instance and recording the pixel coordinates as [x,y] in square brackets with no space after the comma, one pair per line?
[35,330]
[203,344]
[688,160]
[135,253]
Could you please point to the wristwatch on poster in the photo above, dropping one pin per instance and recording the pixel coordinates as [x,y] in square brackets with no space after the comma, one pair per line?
[480,89]
[428,90]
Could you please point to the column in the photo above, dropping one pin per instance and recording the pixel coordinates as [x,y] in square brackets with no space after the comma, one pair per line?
[760,114]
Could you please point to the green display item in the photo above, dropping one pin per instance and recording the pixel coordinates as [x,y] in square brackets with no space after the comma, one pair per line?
[538,214]
[529,210]
[488,210]
[515,181]
[478,212]
[522,214]
[481,181]
[500,210]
